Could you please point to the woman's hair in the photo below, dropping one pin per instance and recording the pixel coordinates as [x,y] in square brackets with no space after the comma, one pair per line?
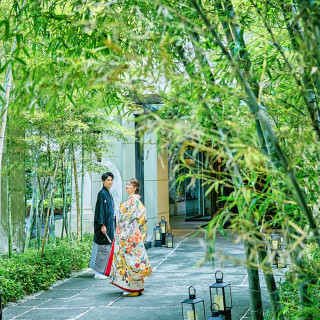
[136,184]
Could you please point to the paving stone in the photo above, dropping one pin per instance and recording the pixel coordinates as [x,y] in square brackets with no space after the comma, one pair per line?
[75,283]
[32,302]
[84,297]
[58,294]
[52,314]
[14,311]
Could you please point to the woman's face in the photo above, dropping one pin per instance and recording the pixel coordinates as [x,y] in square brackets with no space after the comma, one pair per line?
[130,189]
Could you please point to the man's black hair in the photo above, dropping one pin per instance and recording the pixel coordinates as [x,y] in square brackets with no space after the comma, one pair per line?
[106,175]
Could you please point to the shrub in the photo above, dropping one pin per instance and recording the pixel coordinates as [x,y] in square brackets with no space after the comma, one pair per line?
[288,287]
[26,273]
[57,203]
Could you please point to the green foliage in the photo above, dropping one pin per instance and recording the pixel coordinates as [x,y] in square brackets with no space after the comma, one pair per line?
[288,287]
[57,203]
[26,273]
[80,64]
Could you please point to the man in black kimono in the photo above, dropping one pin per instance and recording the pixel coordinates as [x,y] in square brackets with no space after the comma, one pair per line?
[104,227]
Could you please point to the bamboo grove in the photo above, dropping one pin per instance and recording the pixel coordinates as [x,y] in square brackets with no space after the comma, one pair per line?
[239,81]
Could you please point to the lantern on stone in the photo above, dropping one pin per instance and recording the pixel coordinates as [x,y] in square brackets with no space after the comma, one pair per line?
[193,308]
[157,236]
[163,225]
[220,296]
[169,240]
[216,314]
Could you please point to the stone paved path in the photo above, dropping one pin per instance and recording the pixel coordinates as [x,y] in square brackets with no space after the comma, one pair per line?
[174,270]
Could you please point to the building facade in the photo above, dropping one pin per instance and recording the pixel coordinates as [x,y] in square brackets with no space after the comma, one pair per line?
[135,158]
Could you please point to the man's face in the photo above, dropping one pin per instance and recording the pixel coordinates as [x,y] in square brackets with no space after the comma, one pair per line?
[108,182]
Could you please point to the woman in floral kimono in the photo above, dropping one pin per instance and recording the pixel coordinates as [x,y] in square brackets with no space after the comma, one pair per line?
[129,264]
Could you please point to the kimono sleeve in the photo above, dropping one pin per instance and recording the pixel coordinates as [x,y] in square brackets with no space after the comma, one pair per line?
[102,213]
[140,213]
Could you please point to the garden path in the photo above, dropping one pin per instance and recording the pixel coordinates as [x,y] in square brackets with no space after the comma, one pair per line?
[85,298]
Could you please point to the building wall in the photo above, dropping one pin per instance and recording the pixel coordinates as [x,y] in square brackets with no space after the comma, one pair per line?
[150,182]
[122,163]
[163,188]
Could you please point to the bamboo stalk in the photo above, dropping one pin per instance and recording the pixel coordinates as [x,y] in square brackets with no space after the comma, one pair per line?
[70,235]
[271,285]
[4,113]
[77,194]
[258,110]
[63,179]
[34,199]
[254,283]
[307,90]
[273,147]
[65,174]
[65,202]
[51,195]
[82,182]
[37,218]
[9,216]
[310,15]
[253,273]
[52,221]
[270,281]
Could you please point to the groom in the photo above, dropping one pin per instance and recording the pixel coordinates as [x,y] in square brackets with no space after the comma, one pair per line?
[104,227]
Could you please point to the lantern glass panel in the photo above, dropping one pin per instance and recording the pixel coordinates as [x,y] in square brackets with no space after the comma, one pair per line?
[193,311]
[163,226]
[222,297]
[158,234]
[169,241]
[274,241]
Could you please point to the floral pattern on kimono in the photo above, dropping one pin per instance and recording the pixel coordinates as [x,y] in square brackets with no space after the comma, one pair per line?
[130,264]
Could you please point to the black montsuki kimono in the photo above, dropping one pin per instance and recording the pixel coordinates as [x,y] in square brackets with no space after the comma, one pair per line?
[104,215]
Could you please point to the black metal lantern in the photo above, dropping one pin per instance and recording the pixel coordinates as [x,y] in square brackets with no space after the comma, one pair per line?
[192,308]
[157,236]
[274,243]
[170,240]
[163,225]
[274,240]
[216,314]
[221,296]
[281,255]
